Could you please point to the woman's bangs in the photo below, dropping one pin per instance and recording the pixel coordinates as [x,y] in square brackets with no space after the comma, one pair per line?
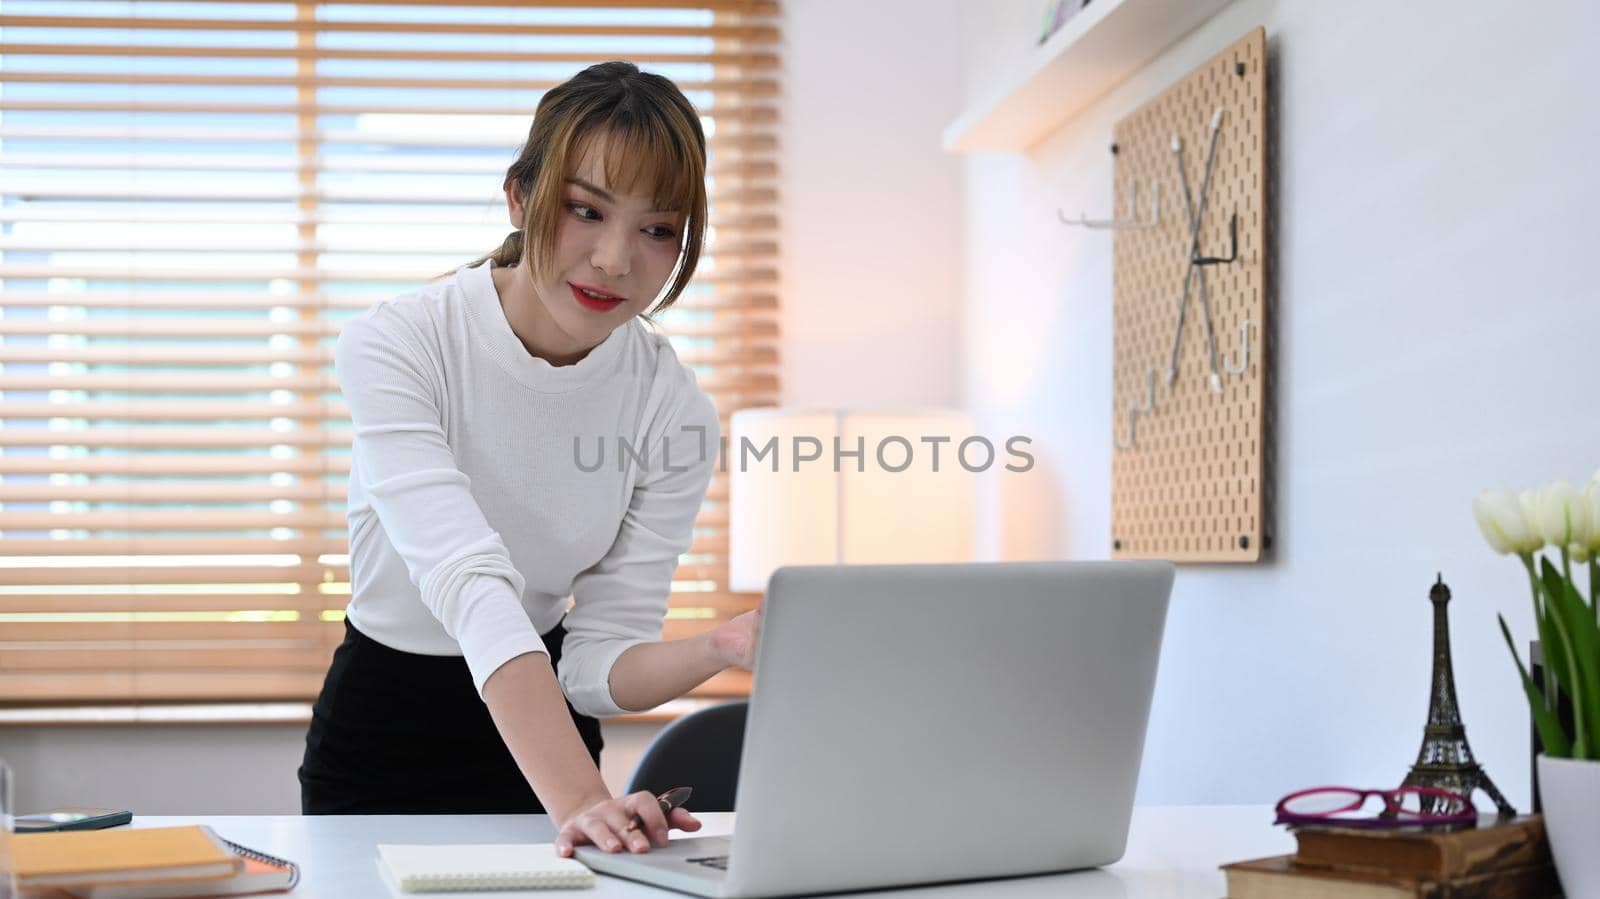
[644,159]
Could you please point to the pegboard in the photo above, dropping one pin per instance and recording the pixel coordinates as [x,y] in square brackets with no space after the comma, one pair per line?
[1189,486]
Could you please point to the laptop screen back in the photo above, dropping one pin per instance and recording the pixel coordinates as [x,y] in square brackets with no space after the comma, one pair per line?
[924,723]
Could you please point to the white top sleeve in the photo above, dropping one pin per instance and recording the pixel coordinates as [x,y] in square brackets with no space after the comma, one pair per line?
[456,560]
[621,600]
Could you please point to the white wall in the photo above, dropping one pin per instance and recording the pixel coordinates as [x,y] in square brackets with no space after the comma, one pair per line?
[157,769]
[1438,315]
[871,287]
[188,769]
[870,208]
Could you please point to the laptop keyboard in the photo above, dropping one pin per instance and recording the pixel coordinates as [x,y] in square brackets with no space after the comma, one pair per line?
[720,862]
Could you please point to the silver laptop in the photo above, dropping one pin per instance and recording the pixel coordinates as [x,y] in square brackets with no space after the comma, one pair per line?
[897,708]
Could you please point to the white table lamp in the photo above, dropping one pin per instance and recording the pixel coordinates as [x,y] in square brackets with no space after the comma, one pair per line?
[905,498]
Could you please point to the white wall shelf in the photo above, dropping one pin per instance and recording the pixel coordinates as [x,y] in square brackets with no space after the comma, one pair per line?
[1095,50]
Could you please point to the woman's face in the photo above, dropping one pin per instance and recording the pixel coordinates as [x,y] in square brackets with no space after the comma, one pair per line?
[614,253]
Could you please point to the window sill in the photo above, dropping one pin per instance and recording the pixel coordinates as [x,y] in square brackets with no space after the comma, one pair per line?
[297,713]
[255,713]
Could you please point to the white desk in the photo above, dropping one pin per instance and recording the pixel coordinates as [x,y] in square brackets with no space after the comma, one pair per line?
[1173,853]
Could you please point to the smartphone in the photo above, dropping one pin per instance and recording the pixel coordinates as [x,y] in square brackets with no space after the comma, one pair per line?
[71,819]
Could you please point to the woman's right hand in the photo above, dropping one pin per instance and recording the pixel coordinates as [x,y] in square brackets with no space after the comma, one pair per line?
[604,822]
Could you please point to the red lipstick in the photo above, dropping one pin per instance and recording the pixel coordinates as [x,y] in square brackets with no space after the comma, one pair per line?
[605,302]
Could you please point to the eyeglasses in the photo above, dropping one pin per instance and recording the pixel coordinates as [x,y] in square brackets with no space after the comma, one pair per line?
[1348,807]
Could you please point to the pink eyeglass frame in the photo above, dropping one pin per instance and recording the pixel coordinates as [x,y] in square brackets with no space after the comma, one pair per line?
[1391,816]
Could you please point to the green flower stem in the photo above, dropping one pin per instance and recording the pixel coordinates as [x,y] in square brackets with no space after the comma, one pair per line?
[1571,675]
[1580,746]
[1538,621]
[1594,585]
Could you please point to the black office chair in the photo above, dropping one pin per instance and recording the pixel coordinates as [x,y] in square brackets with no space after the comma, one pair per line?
[699,750]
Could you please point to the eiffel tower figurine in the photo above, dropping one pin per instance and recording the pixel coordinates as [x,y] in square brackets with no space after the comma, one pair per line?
[1445,761]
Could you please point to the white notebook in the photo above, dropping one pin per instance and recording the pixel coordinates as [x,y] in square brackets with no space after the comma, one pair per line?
[505,866]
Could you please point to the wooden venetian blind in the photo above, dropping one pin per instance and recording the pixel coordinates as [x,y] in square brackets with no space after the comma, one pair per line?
[193,197]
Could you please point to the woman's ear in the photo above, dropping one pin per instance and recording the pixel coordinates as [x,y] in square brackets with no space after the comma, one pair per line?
[514,205]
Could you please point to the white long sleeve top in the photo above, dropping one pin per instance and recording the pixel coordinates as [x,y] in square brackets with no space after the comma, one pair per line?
[489,487]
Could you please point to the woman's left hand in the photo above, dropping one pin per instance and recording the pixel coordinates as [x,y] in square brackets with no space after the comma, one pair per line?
[734,642]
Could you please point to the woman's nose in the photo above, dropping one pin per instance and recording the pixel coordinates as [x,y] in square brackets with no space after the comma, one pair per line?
[611,253]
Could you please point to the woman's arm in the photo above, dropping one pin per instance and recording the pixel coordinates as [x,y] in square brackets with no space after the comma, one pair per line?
[388,373]
[620,602]
[531,714]
[648,674]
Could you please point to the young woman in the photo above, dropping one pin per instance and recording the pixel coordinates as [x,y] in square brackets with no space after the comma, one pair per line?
[464,683]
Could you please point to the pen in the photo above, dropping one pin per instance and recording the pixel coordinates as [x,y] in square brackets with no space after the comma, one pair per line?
[671,799]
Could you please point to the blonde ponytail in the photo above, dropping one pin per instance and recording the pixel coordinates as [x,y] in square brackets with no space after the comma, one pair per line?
[507,255]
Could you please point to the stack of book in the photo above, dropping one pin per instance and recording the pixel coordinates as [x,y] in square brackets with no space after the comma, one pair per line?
[143,863]
[1501,858]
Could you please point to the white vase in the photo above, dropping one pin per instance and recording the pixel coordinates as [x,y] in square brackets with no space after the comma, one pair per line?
[1569,790]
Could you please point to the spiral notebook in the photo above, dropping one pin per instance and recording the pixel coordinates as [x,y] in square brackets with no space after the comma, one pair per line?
[507,866]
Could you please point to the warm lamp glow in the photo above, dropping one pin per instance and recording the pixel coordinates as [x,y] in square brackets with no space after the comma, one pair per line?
[823,487]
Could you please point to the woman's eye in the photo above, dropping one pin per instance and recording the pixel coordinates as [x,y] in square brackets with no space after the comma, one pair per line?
[590,214]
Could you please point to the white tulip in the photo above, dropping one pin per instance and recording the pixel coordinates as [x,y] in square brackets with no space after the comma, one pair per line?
[1591,497]
[1579,553]
[1563,516]
[1529,501]
[1504,524]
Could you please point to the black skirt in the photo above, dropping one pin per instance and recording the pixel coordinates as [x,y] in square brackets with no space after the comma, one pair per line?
[395,733]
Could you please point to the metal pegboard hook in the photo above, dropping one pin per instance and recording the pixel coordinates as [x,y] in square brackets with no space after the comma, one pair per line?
[1244,351]
[1195,270]
[1128,441]
[1137,409]
[1131,222]
[1233,246]
[1149,391]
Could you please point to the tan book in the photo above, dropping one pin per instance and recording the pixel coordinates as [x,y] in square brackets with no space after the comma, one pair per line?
[1279,877]
[262,873]
[74,858]
[1494,845]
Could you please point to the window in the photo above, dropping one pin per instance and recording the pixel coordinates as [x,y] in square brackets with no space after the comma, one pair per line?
[193,197]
